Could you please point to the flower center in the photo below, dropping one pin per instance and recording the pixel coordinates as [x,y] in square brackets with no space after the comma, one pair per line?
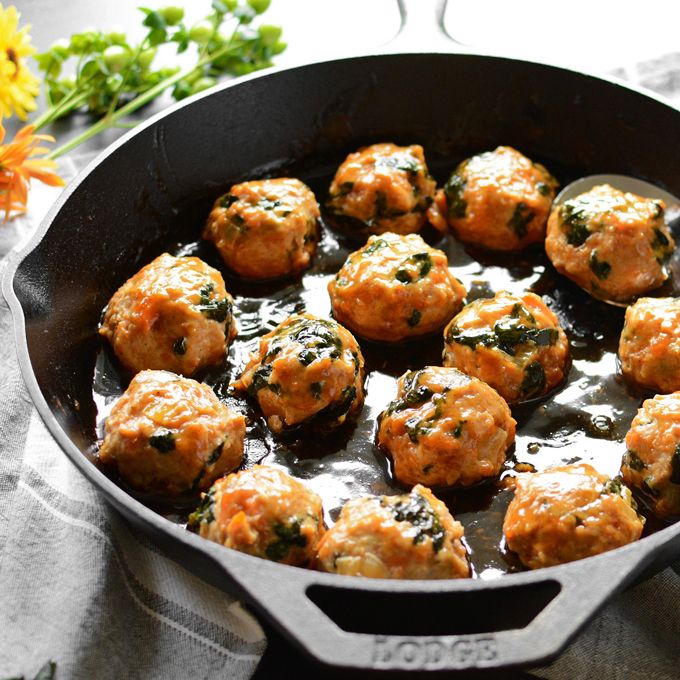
[12,56]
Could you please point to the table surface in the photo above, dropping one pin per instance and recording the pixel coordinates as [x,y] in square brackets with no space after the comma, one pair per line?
[597,37]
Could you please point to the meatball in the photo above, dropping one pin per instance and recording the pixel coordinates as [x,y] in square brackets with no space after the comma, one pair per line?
[652,459]
[411,536]
[168,435]
[498,199]
[308,372]
[513,343]
[381,188]
[649,348]
[395,287]
[262,511]
[567,513]
[174,314]
[445,428]
[612,244]
[266,228]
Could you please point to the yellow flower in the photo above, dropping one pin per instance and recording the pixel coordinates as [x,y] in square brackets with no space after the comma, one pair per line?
[18,86]
[18,166]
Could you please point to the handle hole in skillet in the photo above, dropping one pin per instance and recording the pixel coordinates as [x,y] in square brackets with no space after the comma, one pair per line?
[448,613]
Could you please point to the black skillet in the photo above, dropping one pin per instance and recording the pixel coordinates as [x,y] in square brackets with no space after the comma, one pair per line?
[149,192]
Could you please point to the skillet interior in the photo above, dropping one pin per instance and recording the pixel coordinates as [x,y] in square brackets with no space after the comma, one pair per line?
[146,195]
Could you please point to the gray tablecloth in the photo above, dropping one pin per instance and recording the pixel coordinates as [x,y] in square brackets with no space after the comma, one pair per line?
[79,586]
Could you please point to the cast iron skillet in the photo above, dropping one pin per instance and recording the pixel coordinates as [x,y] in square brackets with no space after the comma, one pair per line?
[113,217]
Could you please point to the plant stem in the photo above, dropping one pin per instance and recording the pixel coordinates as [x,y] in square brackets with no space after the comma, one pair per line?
[137,102]
[71,101]
[125,75]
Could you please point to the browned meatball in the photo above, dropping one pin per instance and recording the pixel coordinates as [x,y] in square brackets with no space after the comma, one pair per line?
[612,244]
[308,372]
[649,348]
[262,511]
[395,287]
[652,459]
[445,428]
[567,513]
[174,314]
[382,187]
[513,343]
[411,536]
[168,435]
[498,199]
[265,228]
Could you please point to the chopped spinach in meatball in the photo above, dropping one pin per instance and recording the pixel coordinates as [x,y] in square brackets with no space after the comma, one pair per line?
[611,243]
[381,188]
[262,511]
[308,372]
[445,428]
[395,288]
[409,536]
[513,343]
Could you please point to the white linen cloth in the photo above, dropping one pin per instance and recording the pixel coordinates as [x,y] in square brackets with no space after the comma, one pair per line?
[80,586]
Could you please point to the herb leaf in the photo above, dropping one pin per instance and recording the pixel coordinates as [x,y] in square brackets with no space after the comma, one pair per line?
[216,454]
[661,239]
[287,536]
[268,203]
[534,380]
[228,200]
[453,190]
[414,393]
[344,189]
[415,510]
[260,381]
[163,440]
[414,319]
[205,512]
[613,486]
[375,245]
[333,411]
[675,466]
[634,461]
[217,310]
[574,217]
[521,218]
[180,346]
[415,428]
[458,430]
[600,268]
[318,338]
[424,263]
[507,335]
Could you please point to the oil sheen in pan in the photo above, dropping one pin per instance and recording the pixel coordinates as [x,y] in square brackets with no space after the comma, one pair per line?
[585,420]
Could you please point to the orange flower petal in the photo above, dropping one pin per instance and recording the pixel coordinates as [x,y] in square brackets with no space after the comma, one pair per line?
[19,163]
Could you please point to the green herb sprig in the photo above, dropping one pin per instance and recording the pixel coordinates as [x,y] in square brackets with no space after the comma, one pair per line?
[112,77]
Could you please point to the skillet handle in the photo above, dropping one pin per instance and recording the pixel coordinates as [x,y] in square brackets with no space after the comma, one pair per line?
[364,624]
[422,28]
